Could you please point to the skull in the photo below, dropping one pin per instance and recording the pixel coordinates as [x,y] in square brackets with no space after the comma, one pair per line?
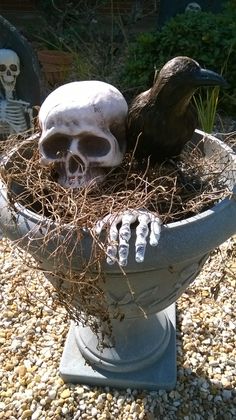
[9,70]
[193,7]
[83,131]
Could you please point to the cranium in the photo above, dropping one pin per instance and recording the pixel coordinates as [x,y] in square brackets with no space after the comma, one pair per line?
[193,7]
[83,131]
[9,70]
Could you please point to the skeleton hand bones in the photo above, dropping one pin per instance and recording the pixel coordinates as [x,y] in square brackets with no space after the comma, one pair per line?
[118,240]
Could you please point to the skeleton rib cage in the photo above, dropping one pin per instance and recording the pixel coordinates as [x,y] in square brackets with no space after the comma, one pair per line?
[13,117]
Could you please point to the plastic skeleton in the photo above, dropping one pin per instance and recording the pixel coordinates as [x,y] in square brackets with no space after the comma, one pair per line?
[13,112]
[84,133]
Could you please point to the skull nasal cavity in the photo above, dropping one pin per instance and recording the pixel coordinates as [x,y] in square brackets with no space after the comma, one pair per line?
[74,163]
[56,146]
[93,146]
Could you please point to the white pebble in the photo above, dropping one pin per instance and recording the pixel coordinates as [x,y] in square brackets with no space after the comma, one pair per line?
[16,344]
[36,414]
[52,394]
[94,412]
[64,410]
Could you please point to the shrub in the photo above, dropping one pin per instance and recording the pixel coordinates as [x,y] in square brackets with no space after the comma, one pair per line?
[208,38]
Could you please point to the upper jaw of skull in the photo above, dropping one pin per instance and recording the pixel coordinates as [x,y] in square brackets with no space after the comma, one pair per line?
[79,160]
[69,179]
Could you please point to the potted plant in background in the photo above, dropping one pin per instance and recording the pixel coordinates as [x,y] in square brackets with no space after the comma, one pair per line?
[61,59]
[55,64]
[55,57]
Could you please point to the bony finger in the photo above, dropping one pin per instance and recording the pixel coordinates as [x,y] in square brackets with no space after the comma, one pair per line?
[155,232]
[112,244]
[111,254]
[99,227]
[125,232]
[102,223]
[140,252]
[127,219]
[141,232]
[140,244]
[113,232]
[142,228]
[124,236]
[123,253]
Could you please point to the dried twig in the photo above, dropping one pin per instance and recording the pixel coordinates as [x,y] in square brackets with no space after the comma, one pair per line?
[173,190]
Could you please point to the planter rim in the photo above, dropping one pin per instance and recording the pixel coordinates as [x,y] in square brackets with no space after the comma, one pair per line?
[33,216]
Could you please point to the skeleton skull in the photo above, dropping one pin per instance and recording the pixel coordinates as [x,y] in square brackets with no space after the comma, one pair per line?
[9,70]
[193,7]
[83,131]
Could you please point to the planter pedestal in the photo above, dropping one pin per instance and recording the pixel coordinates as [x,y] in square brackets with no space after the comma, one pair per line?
[143,357]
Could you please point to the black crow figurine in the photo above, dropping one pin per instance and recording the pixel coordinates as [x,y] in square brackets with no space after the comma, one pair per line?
[162,119]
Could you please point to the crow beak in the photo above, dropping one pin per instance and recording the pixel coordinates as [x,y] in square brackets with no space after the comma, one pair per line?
[209,78]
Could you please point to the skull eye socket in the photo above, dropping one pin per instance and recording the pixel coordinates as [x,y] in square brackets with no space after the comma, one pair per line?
[13,67]
[56,146]
[3,67]
[94,146]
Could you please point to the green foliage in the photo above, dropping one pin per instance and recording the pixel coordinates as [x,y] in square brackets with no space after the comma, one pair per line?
[208,38]
[140,60]
[206,106]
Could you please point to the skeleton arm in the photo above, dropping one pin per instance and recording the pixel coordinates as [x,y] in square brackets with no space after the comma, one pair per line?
[118,240]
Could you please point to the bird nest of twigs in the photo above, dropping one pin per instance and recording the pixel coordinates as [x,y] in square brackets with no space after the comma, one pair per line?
[174,190]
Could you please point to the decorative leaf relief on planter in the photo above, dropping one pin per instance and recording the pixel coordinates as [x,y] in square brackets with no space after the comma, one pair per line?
[141,299]
[145,299]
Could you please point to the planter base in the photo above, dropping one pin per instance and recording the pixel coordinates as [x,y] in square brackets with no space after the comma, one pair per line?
[160,374]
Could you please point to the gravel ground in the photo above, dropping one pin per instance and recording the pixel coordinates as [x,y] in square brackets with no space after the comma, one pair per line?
[33,329]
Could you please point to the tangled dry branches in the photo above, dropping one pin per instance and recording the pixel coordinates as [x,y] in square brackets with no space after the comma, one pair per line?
[173,190]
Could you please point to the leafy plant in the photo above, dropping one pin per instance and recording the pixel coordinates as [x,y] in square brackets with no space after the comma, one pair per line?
[206,106]
[206,37]
[206,102]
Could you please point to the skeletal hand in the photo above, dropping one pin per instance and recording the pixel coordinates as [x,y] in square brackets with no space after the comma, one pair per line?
[118,239]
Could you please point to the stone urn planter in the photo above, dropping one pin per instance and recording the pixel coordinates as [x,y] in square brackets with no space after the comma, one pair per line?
[141,350]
